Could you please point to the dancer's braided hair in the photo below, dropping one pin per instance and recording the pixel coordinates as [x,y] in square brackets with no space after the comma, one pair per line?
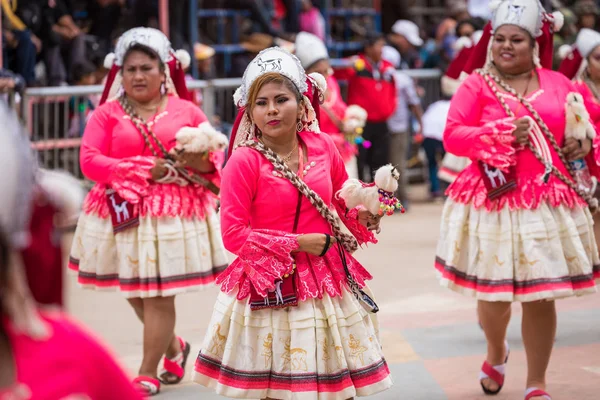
[348,241]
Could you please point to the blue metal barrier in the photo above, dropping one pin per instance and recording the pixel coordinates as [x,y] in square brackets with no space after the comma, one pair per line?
[222,15]
[336,48]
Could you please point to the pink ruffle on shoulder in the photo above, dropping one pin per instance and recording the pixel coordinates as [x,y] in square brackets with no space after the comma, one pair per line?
[266,256]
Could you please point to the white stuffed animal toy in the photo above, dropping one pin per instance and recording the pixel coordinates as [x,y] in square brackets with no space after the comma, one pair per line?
[578,119]
[201,139]
[355,119]
[579,127]
[378,198]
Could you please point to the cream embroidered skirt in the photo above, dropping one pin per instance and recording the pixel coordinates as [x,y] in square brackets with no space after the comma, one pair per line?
[161,257]
[521,255]
[323,349]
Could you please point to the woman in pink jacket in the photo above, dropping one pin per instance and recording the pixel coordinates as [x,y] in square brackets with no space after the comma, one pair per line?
[149,227]
[294,318]
[516,226]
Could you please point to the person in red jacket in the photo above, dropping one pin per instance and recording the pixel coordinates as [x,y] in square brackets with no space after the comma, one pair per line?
[371,86]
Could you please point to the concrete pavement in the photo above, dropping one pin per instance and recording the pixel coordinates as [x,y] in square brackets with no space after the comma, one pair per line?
[430,335]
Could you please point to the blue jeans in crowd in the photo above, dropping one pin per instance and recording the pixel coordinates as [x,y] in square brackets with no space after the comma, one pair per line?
[22,58]
[434,150]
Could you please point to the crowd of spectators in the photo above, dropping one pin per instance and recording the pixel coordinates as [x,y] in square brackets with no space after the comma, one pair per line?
[64,42]
[49,42]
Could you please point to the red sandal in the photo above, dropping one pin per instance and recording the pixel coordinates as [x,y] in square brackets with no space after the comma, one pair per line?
[535,392]
[495,373]
[174,368]
[147,386]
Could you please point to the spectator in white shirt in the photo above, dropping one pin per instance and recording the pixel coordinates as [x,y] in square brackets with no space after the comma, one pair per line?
[399,123]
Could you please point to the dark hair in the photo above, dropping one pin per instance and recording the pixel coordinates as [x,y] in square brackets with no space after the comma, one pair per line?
[479,23]
[371,38]
[82,69]
[150,52]
[463,23]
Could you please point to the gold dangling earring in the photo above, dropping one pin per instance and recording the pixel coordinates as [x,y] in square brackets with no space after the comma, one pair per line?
[300,126]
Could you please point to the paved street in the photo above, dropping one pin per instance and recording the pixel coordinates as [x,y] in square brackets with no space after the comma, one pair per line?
[430,336]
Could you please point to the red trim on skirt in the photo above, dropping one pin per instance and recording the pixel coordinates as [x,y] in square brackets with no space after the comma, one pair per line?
[145,284]
[517,287]
[299,382]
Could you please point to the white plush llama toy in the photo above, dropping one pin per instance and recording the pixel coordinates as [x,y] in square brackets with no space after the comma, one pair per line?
[201,139]
[579,127]
[578,119]
[355,119]
[377,198]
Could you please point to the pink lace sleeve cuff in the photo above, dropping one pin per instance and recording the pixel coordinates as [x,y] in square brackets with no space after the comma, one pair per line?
[266,256]
[130,177]
[350,219]
[494,145]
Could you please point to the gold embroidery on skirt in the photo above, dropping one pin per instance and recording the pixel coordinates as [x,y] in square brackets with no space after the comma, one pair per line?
[218,341]
[134,265]
[339,351]
[295,358]
[570,259]
[356,350]
[326,357]
[267,352]
[524,260]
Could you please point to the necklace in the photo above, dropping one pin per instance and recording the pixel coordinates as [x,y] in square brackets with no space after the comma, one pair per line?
[152,109]
[531,73]
[287,158]
[510,77]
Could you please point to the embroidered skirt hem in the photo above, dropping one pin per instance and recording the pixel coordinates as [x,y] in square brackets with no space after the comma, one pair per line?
[323,349]
[517,255]
[162,256]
